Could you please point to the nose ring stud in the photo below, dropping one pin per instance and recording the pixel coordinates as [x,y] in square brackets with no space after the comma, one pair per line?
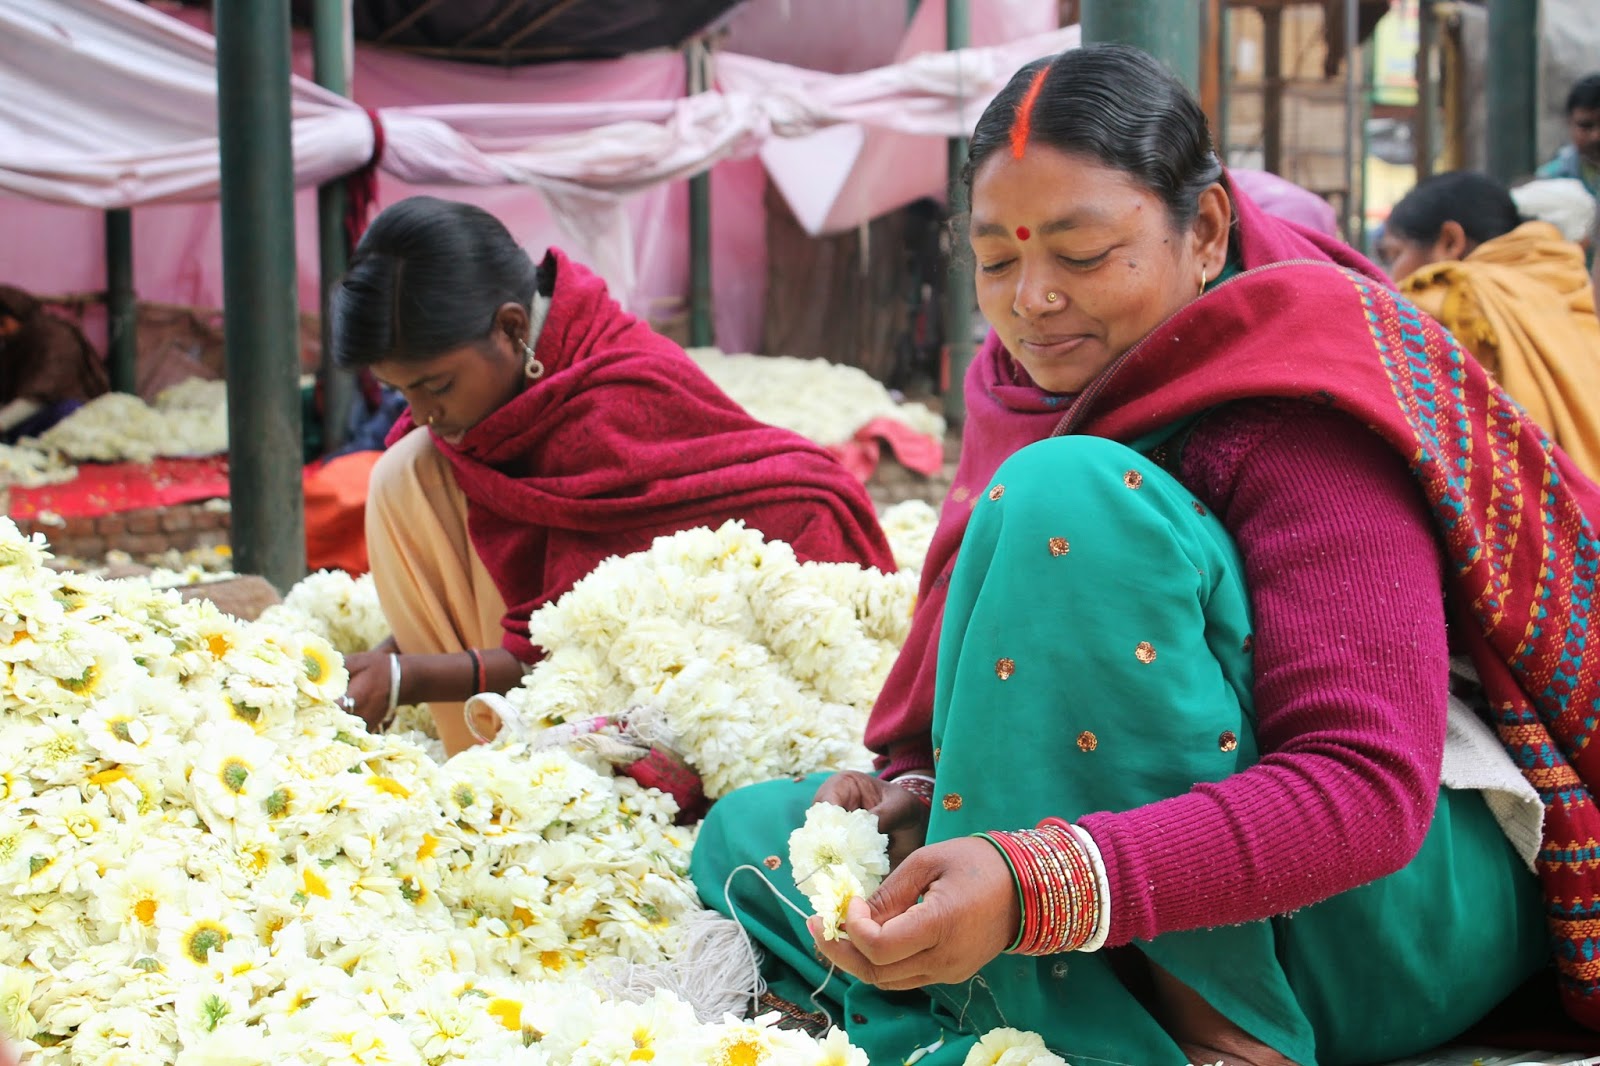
[1052,297]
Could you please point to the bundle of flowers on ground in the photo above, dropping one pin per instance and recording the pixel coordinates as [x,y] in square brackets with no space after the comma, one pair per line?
[203,861]
[30,468]
[188,419]
[909,526]
[725,648]
[822,401]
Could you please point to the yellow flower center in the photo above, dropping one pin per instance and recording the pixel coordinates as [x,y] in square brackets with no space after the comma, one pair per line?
[314,884]
[120,729]
[84,684]
[743,1052]
[108,776]
[429,845]
[316,666]
[390,786]
[202,939]
[145,911]
[508,1012]
[553,960]
[235,772]
[218,645]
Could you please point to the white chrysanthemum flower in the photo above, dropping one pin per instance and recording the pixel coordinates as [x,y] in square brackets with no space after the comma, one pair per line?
[128,727]
[334,1030]
[835,1049]
[233,774]
[186,937]
[125,1035]
[832,836]
[131,896]
[1011,1047]
[16,996]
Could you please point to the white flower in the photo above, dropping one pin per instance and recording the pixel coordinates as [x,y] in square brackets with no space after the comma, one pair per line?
[232,776]
[1010,1047]
[16,993]
[834,837]
[132,895]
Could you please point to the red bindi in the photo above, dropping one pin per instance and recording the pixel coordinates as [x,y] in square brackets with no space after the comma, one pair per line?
[1022,233]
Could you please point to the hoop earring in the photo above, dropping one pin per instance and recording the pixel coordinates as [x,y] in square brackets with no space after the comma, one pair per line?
[1202,281]
[532,369]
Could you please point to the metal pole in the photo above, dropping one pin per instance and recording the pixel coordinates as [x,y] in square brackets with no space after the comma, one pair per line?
[1427,145]
[122,304]
[1224,79]
[1272,89]
[960,291]
[1167,29]
[1513,88]
[702,331]
[260,327]
[332,37]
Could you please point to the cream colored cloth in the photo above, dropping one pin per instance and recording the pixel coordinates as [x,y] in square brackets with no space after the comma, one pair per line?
[434,590]
[1475,760]
[1522,305]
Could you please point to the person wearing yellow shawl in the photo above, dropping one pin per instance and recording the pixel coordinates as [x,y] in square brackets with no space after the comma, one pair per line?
[1515,294]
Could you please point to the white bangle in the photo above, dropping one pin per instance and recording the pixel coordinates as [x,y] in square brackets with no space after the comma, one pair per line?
[394,692]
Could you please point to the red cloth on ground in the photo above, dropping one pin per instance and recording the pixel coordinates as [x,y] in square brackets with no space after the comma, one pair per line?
[1006,411]
[918,452]
[111,488]
[624,440]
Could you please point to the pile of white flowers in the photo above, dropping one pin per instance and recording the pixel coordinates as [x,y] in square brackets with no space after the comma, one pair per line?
[909,527]
[837,856]
[724,647]
[32,468]
[188,419]
[203,861]
[822,401]
[341,609]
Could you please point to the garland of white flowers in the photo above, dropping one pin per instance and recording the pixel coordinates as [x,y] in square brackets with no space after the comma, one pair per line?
[837,856]
[722,646]
[820,400]
[203,861]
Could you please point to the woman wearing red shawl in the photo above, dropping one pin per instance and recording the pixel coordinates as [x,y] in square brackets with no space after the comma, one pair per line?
[1181,762]
[547,430]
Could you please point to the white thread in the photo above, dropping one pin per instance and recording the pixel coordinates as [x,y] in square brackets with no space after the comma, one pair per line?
[733,912]
[714,970]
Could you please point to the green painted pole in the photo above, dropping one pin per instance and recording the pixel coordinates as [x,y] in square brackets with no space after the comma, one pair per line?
[122,304]
[1167,29]
[260,317]
[960,293]
[702,331]
[1513,88]
[331,46]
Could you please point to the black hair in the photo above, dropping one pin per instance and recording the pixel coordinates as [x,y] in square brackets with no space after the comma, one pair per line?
[429,275]
[1585,93]
[1113,104]
[1480,205]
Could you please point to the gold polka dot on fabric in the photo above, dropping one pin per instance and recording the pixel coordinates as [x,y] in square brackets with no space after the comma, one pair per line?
[1249,644]
[951,801]
[936,752]
[1087,741]
[1228,740]
[1059,546]
[1133,479]
[997,492]
[1004,668]
[961,492]
[1145,652]
[1199,508]
[772,862]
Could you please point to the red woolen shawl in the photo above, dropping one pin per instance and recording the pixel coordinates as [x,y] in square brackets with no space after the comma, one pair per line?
[624,440]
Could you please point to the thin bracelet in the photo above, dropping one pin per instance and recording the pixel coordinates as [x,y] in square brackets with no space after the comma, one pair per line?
[919,785]
[394,692]
[479,681]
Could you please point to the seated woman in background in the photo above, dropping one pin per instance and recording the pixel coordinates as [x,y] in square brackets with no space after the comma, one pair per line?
[1515,294]
[1170,765]
[48,369]
[547,430]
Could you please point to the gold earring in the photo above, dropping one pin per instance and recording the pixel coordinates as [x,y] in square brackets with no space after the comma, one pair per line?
[1052,297]
[432,419]
[1202,281]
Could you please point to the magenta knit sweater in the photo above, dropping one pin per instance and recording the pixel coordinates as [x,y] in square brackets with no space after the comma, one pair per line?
[1351,675]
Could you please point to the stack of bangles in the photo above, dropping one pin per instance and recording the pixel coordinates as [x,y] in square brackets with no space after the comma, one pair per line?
[1058,888]
[918,784]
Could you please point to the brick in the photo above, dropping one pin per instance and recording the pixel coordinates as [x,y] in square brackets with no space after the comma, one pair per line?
[137,544]
[143,522]
[85,547]
[82,526]
[177,519]
[111,526]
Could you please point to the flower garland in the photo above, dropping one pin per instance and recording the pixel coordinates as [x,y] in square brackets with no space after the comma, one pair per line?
[822,401]
[724,647]
[909,526]
[203,861]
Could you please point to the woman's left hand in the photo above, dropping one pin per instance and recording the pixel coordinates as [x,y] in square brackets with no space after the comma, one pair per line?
[968,915]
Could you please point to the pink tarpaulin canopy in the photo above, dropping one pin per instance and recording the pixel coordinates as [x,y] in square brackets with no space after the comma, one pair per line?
[109,103]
